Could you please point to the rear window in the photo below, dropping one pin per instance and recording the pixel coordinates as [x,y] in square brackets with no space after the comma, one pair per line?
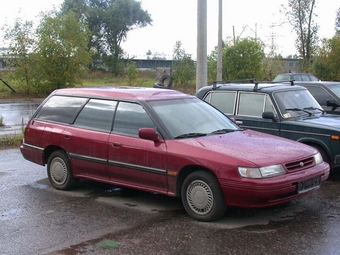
[60,109]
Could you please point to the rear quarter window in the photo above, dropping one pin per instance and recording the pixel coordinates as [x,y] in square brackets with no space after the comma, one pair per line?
[61,109]
[223,100]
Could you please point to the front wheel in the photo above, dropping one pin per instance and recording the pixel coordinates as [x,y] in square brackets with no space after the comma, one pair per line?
[59,171]
[202,196]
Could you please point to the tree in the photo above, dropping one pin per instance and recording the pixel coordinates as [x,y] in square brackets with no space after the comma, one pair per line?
[62,50]
[52,56]
[243,60]
[185,68]
[22,43]
[212,66]
[272,65]
[337,23]
[326,64]
[109,21]
[131,72]
[300,16]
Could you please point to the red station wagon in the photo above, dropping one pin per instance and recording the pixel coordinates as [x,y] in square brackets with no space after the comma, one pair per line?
[164,141]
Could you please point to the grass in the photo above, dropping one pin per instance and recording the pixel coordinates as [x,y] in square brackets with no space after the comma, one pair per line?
[10,141]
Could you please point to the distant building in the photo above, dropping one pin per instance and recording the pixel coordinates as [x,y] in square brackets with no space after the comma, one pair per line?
[291,65]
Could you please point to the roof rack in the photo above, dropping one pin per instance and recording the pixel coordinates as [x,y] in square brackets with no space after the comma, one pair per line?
[291,82]
[251,80]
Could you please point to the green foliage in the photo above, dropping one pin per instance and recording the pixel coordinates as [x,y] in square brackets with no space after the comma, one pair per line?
[212,67]
[52,56]
[184,66]
[337,23]
[326,64]
[62,53]
[300,16]
[132,72]
[22,43]
[109,22]
[243,60]
[272,66]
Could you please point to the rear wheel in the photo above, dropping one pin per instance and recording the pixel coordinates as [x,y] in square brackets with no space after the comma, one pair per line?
[59,171]
[202,196]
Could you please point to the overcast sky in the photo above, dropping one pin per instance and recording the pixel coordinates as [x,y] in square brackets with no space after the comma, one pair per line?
[175,20]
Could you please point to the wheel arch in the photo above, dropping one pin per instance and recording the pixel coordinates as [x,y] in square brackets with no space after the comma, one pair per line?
[319,145]
[184,172]
[49,150]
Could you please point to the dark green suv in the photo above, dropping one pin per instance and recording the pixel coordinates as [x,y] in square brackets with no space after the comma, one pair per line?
[327,93]
[279,109]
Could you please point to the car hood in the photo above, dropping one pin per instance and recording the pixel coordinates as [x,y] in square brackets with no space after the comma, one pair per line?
[327,120]
[246,146]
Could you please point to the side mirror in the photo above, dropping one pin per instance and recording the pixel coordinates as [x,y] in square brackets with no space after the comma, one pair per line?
[149,134]
[331,102]
[268,115]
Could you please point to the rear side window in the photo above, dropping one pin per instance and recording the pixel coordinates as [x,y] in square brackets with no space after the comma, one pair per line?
[60,109]
[97,114]
[130,117]
[224,101]
[252,104]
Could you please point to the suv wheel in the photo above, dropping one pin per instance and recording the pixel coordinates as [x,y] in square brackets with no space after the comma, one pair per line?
[202,196]
[59,171]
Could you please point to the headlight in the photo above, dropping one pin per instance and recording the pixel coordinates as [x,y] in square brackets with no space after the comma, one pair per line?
[318,158]
[262,172]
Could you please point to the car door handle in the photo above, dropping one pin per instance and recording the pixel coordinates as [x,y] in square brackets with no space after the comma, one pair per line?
[239,122]
[116,145]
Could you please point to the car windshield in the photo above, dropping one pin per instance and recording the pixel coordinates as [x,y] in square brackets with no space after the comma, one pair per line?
[191,117]
[282,77]
[294,103]
[335,89]
[313,78]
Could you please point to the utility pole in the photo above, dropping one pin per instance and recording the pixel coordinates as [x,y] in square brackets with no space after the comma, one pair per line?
[202,66]
[219,44]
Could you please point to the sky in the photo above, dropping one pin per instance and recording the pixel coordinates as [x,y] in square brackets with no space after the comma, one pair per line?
[176,20]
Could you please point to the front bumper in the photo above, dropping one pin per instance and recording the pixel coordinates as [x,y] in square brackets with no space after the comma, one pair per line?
[249,193]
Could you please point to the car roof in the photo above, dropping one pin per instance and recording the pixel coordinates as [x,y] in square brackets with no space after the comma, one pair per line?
[260,87]
[296,73]
[317,83]
[123,92]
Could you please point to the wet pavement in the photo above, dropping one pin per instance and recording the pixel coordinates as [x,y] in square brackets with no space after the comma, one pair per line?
[102,219]
[15,115]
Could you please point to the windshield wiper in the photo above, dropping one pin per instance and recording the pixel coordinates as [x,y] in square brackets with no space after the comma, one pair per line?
[190,135]
[223,131]
[299,110]
[314,108]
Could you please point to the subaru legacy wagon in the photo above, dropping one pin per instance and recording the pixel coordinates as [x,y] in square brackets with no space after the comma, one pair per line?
[168,142]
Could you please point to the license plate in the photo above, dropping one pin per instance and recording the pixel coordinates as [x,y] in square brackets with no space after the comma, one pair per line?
[309,184]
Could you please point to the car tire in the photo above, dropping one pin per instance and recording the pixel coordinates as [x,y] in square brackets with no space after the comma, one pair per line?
[59,171]
[162,80]
[202,196]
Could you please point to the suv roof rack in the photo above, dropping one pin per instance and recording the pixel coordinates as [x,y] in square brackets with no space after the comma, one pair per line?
[251,80]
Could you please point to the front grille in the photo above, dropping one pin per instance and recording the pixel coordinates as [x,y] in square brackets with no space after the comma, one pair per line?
[299,165]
